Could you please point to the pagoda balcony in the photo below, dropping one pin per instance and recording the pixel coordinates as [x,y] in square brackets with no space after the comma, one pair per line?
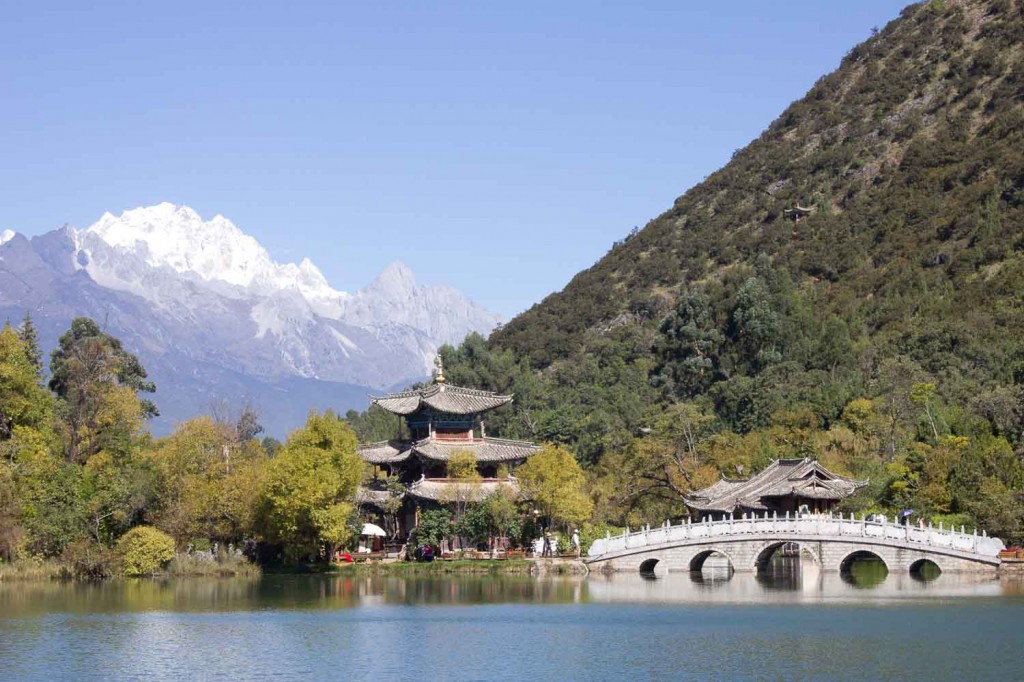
[464,437]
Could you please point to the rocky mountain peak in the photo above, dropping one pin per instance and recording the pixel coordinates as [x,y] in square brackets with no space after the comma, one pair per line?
[394,280]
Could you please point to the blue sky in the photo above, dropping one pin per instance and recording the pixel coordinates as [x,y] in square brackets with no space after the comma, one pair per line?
[496,148]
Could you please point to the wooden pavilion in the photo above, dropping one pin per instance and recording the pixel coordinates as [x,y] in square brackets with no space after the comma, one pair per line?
[785,485]
[441,420]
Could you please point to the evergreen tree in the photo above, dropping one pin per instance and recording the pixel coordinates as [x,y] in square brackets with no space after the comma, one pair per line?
[97,383]
[28,335]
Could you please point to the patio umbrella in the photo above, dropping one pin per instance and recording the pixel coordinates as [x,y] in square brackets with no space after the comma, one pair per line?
[373,529]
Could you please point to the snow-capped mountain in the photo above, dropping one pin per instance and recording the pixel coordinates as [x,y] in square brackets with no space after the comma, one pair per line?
[213,251]
[193,293]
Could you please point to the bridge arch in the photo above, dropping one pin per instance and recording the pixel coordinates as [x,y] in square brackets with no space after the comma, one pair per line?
[697,562]
[866,577]
[847,563]
[648,566]
[926,569]
[765,554]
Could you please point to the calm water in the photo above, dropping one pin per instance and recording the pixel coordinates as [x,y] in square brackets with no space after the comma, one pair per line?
[623,627]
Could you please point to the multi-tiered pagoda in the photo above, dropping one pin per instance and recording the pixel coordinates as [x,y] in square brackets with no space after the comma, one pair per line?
[440,420]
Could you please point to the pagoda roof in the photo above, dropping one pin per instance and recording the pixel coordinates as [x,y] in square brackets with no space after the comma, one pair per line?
[446,489]
[385,452]
[443,398]
[374,497]
[805,478]
[484,449]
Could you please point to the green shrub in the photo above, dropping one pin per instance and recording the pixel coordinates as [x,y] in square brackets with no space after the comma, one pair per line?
[144,550]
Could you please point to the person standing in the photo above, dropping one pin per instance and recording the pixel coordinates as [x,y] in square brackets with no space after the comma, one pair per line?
[576,541]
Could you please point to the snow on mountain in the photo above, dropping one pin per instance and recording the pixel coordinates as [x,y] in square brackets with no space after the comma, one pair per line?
[227,301]
[6,236]
[214,251]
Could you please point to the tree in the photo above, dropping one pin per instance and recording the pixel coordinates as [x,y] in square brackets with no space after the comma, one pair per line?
[392,504]
[210,481]
[86,353]
[463,482]
[22,401]
[502,515]
[756,325]
[310,488]
[248,425]
[97,383]
[30,337]
[118,489]
[52,492]
[924,394]
[554,481]
[433,527]
[897,378]
[690,345]
[11,529]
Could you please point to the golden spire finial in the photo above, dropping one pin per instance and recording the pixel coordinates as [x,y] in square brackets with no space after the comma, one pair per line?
[439,370]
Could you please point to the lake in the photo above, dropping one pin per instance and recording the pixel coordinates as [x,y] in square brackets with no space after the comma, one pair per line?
[787,626]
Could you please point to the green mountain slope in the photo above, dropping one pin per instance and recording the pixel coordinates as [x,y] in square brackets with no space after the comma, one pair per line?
[850,287]
[910,156]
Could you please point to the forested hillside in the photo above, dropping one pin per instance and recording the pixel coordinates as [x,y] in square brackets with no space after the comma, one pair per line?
[849,287]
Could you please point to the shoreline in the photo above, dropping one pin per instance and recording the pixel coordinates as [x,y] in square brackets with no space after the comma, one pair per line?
[32,572]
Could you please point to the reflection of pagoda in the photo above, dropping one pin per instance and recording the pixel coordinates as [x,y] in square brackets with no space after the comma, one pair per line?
[441,420]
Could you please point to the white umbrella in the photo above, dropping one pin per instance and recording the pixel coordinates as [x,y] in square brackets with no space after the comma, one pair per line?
[373,529]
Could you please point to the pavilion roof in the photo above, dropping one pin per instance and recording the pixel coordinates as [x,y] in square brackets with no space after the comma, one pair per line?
[448,489]
[374,497]
[443,398]
[385,452]
[782,478]
[486,450]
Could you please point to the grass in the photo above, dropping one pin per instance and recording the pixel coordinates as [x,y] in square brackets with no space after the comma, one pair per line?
[32,570]
[208,565]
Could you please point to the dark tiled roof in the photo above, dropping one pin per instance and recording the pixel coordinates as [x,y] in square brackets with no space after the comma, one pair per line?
[783,477]
[443,398]
[374,497]
[384,452]
[449,490]
[485,449]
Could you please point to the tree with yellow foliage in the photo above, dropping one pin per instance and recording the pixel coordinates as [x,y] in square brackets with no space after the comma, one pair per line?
[554,481]
[23,402]
[310,489]
[210,481]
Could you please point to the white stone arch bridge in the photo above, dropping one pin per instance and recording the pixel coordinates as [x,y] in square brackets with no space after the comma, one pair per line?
[831,542]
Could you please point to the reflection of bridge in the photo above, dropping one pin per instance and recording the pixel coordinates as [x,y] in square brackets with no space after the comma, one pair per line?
[831,542]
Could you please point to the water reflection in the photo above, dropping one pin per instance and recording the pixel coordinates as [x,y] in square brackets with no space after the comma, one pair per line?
[783,579]
[925,571]
[788,582]
[864,572]
[782,573]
